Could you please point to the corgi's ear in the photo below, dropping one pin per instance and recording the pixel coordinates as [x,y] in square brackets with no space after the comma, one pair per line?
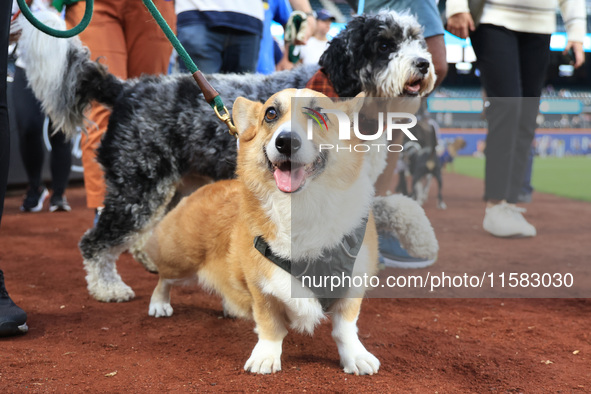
[244,115]
[350,106]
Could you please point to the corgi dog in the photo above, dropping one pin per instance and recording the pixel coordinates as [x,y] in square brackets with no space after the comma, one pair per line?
[301,203]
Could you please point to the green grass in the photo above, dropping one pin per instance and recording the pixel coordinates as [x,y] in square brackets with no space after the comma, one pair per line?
[567,177]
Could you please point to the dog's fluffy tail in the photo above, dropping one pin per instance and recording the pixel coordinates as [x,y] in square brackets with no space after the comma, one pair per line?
[404,218]
[62,76]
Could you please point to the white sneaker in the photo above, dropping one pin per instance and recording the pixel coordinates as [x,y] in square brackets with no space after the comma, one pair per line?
[506,220]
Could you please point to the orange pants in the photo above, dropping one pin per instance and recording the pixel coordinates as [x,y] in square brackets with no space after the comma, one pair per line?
[125,37]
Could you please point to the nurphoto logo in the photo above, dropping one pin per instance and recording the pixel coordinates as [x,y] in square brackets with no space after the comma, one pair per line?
[386,123]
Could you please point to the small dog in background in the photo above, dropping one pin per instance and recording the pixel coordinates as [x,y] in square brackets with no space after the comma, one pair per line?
[451,151]
[422,162]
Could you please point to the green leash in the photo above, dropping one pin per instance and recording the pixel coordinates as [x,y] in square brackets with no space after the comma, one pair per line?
[58,33]
[209,93]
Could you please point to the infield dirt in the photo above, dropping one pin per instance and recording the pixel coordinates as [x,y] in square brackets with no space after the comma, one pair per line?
[425,345]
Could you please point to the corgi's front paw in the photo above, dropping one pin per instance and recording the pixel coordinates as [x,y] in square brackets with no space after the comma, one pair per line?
[265,357]
[160,309]
[363,363]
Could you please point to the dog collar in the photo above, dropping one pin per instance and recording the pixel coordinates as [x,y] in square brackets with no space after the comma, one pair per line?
[320,82]
[338,261]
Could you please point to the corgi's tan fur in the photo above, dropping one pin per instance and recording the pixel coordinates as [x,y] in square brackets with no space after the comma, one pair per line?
[300,212]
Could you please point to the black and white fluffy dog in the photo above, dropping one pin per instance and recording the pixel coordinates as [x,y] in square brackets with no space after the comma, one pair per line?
[161,130]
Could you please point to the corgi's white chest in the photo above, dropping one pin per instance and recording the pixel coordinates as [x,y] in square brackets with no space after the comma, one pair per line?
[303,313]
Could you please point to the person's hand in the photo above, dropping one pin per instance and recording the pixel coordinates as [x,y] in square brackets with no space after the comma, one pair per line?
[306,8]
[460,24]
[309,32]
[579,52]
[284,64]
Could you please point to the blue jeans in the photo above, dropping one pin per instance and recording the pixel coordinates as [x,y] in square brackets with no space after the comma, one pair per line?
[219,49]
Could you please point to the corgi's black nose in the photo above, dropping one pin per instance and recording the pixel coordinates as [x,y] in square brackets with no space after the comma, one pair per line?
[288,142]
[422,64]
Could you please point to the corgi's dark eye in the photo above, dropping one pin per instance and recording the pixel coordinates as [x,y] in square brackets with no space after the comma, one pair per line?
[271,114]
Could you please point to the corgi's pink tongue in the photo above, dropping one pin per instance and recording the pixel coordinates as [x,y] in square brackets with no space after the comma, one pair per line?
[289,180]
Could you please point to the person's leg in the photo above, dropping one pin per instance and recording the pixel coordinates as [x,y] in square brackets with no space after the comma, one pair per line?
[241,53]
[526,190]
[534,56]
[13,320]
[497,57]
[205,47]
[5,8]
[148,49]
[4,152]
[496,51]
[60,164]
[29,121]
[104,37]
[94,183]
[61,161]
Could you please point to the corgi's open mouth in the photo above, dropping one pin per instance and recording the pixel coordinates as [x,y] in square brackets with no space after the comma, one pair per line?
[291,176]
[413,87]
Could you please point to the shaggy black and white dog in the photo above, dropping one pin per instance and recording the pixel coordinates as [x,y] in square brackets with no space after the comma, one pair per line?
[162,130]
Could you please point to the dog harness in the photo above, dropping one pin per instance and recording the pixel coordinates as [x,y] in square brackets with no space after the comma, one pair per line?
[336,262]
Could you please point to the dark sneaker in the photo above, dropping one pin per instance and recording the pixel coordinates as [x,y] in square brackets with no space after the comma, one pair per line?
[13,320]
[34,199]
[59,204]
[393,255]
